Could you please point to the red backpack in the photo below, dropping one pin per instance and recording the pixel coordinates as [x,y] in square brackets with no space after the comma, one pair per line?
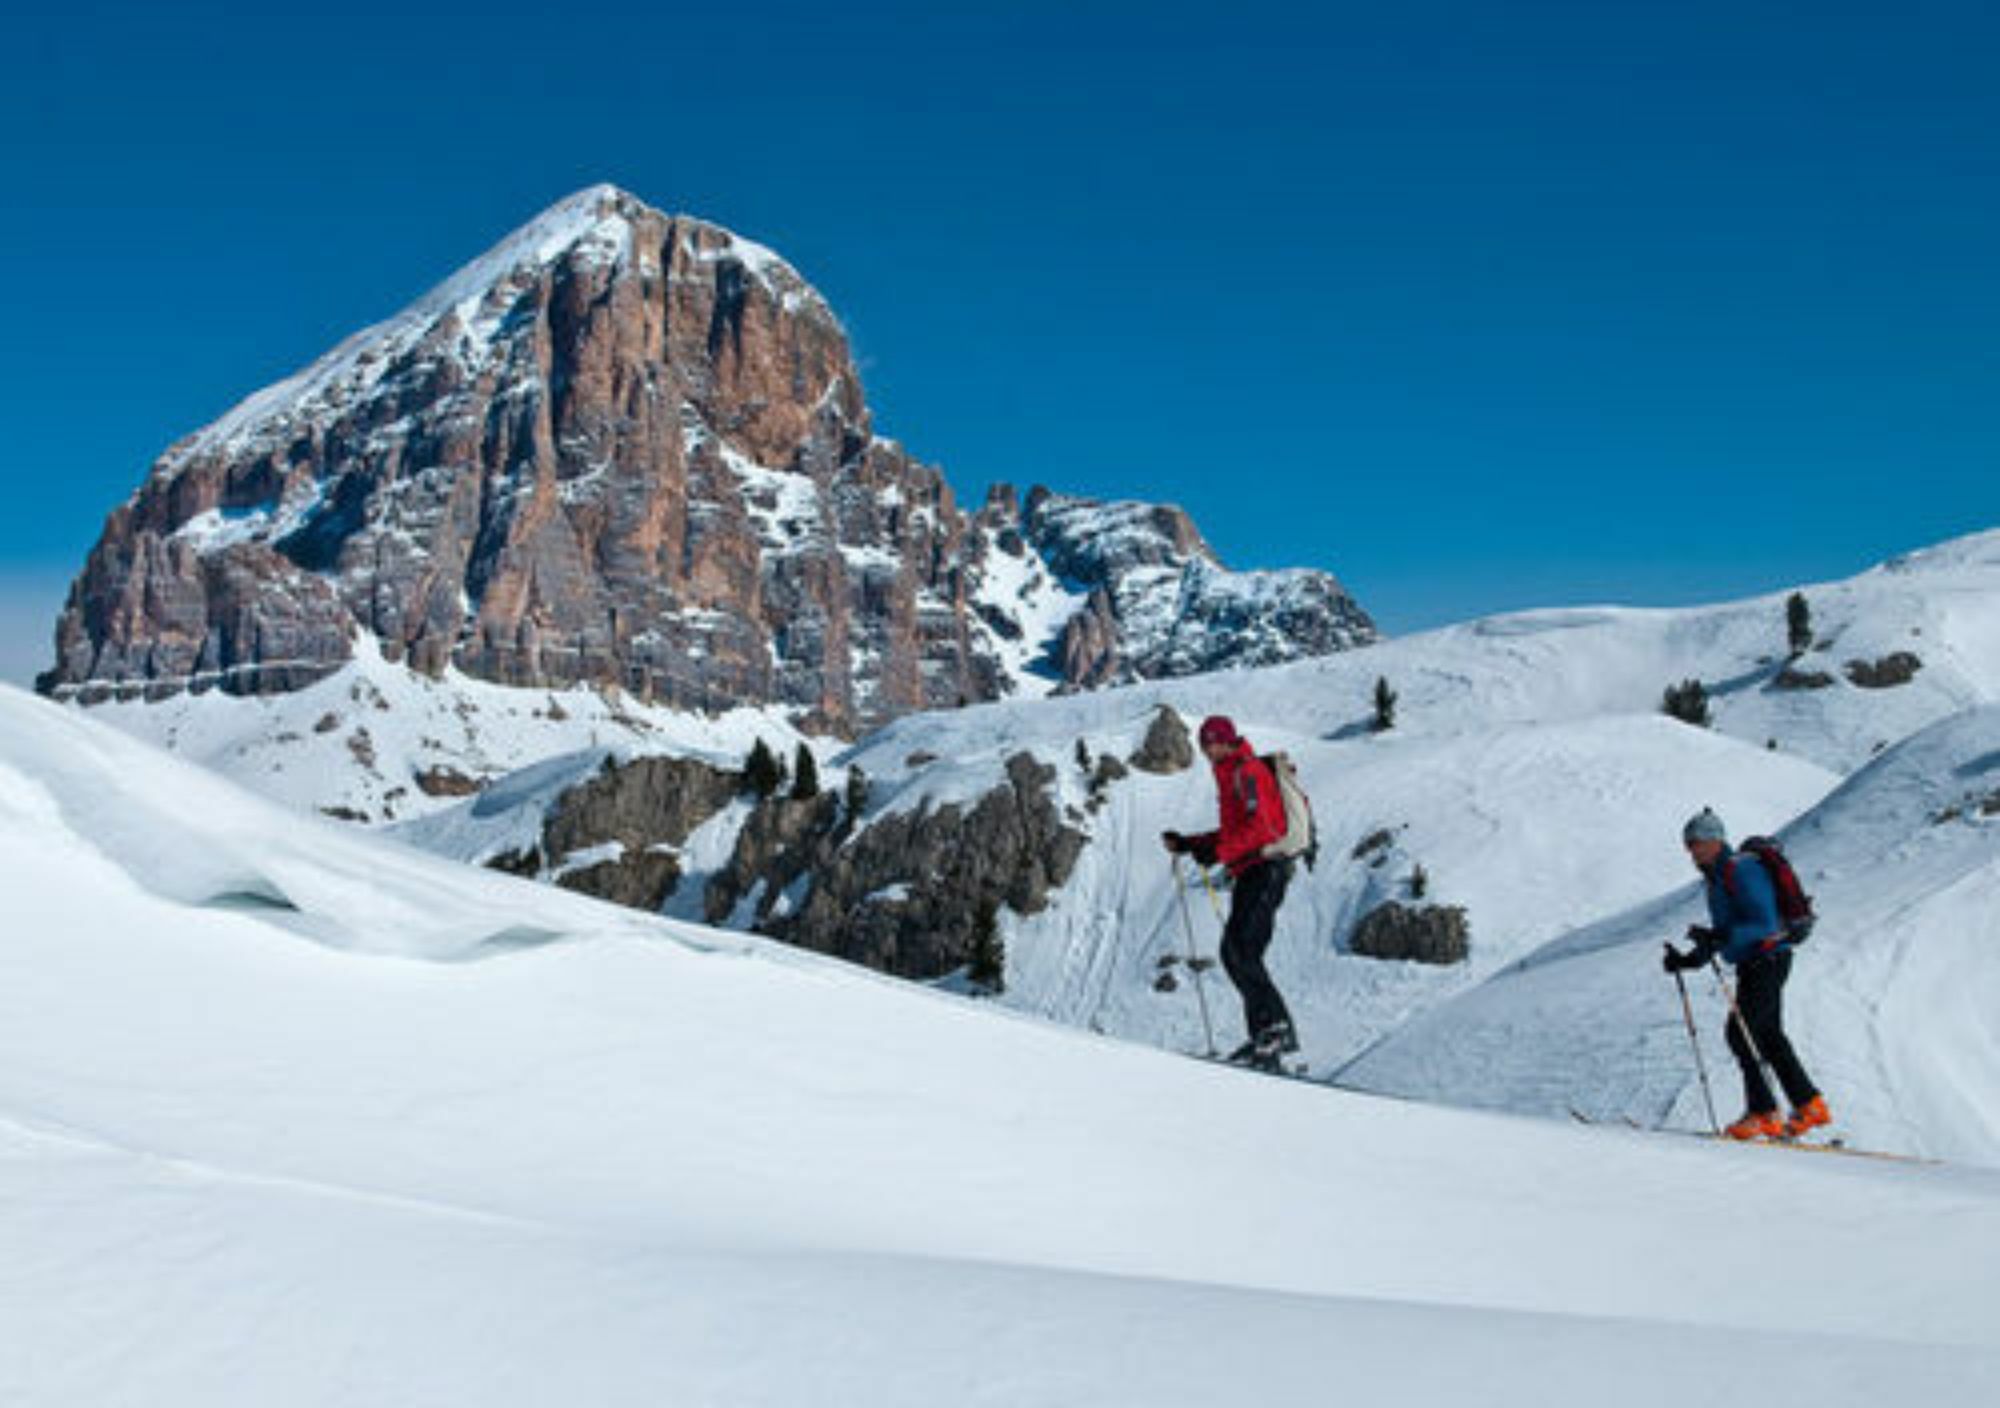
[1795,906]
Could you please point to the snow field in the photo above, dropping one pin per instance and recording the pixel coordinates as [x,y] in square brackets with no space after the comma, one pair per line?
[1890,1004]
[643,1159]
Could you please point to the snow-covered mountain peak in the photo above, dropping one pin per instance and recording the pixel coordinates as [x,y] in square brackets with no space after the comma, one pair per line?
[594,226]
[625,447]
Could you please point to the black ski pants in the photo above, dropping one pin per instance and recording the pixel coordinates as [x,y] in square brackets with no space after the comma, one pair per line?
[1760,993]
[1253,910]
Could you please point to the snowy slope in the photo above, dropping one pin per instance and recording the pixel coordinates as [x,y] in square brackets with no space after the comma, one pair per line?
[1559,665]
[1534,829]
[237,1166]
[1892,1002]
[1530,774]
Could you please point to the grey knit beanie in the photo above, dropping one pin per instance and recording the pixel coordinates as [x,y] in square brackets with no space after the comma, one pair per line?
[1705,825]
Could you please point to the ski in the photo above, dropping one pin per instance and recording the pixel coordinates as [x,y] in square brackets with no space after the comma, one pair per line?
[1832,1145]
[1286,1070]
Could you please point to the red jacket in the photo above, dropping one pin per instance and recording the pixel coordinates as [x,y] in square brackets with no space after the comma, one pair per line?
[1253,813]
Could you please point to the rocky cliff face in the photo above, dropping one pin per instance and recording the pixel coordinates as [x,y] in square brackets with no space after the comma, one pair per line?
[628,447]
[902,895]
[901,892]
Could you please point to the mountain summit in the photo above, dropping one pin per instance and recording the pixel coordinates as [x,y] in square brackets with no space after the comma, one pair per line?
[630,447]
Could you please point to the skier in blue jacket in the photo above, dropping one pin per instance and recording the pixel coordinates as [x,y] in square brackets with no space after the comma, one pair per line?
[1745,929]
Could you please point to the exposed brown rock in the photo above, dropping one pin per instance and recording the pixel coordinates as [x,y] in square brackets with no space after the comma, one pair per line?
[442,781]
[638,880]
[1413,933]
[1166,747]
[1886,673]
[904,895]
[647,802]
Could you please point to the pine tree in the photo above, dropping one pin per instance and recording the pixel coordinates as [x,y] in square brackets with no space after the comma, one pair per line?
[1798,623]
[986,960]
[857,793]
[761,772]
[1385,706]
[805,776]
[1082,755]
[1688,702]
[1420,883]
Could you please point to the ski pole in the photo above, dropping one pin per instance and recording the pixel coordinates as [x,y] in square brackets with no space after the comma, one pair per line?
[1194,962]
[1736,1016]
[1214,899]
[1687,1015]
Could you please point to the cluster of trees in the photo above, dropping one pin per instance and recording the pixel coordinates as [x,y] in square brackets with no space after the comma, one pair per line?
[764,773]
[1688,700]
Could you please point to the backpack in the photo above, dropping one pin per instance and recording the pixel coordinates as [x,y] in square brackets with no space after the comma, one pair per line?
[1299,838]
[1795,906]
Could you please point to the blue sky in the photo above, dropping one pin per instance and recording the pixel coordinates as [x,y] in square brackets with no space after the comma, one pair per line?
[1480,306]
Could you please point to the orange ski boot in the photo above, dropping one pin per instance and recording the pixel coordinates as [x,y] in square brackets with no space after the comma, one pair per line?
[1758,1124]
[1810,1115]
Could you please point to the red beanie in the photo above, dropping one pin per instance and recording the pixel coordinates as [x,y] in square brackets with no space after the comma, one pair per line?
[1218,729]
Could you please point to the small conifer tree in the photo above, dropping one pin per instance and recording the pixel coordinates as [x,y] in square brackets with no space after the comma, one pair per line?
[986,961]
[1798,623]
[857,793]
[1420,883]
[762,772]
[1385,706]
[805,775]
[1688,702]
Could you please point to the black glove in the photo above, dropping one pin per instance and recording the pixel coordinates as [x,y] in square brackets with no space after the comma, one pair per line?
[1202,848]
[1674,961]
[1707,943]
[1175,843]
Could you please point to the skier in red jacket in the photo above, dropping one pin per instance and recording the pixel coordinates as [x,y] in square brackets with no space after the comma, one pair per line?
[1253,816]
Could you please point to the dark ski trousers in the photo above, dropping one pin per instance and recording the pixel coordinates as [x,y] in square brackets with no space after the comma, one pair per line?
[1760,992]
[1253,910]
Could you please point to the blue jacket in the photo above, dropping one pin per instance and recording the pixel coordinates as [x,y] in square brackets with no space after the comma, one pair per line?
[1743,907]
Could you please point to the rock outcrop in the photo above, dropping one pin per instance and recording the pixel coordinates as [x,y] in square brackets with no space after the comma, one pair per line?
[1166,747]
[617,834]
[902,894]
[1888,672]
[1160,604]
[632,448]
[1435,934]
